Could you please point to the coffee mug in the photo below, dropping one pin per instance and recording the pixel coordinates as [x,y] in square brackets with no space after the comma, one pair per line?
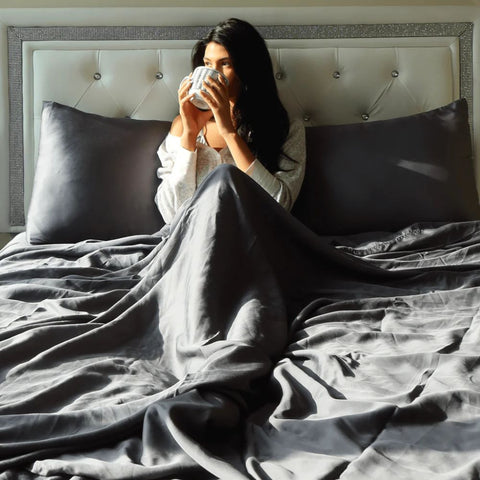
[199,75]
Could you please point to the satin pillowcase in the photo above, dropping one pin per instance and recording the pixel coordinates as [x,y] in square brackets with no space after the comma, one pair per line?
[387,175]
[95,177]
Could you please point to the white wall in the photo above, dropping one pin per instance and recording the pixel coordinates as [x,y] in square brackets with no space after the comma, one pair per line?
[346,11]
[226,3]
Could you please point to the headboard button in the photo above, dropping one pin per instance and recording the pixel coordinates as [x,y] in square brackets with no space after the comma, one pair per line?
[97,76]
[279,75]
[365,116]
[395,73]
[159,75]
[336,74]
[307,117]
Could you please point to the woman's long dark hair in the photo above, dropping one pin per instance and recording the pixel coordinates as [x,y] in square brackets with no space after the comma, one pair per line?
[261,119]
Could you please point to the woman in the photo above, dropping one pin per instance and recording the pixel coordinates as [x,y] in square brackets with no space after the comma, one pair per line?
[246,125]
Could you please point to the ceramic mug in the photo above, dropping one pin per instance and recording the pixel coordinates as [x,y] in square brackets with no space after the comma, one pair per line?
[199,75]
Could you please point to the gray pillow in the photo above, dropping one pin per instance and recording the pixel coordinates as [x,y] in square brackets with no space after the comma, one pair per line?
[386,175]
[95,177]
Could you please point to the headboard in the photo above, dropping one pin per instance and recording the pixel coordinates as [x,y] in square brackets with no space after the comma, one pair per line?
[325,74]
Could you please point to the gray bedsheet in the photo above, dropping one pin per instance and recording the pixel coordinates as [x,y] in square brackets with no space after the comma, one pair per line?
[237,344]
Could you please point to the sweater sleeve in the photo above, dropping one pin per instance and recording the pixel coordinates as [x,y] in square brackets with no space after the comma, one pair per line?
[284,185]
[178,175]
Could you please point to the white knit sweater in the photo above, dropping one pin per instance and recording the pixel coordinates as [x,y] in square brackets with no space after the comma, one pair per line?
[182,171]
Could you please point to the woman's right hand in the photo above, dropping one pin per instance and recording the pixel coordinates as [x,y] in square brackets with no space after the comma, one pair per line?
[193,119]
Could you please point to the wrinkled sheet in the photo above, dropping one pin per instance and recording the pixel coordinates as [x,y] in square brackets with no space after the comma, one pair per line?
[237,344]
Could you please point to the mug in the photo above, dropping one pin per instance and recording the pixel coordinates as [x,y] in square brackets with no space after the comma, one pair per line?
[199,75]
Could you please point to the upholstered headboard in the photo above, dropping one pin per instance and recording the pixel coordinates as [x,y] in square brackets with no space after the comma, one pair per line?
[325,74]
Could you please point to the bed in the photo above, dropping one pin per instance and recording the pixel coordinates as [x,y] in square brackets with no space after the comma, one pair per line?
[241,341]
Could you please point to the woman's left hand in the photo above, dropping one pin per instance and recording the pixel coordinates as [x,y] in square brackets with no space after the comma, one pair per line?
[218,100]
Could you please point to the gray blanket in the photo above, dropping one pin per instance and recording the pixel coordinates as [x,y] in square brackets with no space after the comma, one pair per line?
[236,344]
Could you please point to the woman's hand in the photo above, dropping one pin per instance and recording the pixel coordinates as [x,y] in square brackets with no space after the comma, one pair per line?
[218,100]
[193,119]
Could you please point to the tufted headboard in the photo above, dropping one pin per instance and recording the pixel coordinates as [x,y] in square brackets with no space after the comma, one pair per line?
[325,74]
